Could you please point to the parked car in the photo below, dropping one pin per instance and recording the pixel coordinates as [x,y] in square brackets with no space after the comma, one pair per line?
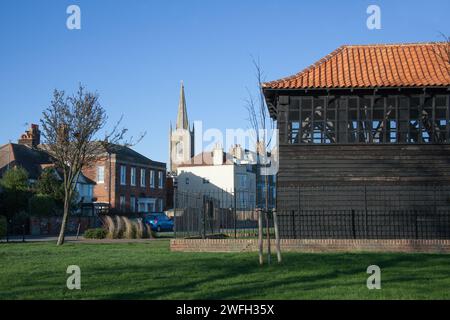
[159,222]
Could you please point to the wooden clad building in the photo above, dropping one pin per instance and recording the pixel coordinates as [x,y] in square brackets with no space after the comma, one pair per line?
[365,132]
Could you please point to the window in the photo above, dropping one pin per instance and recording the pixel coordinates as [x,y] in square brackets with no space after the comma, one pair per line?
[133,176]
[294,122]
[242,181]
[122,203]
[142,177]
[186,180]
[161,179]
[100,174]
[179,150]
[142,207]
[123,175]
[151,206]
[319,121]
[160,205]
[205,181]
[133,204]
[369,119]
[306,120]
[152,178]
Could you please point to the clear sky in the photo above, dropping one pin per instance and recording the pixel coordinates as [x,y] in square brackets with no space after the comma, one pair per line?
[134,53]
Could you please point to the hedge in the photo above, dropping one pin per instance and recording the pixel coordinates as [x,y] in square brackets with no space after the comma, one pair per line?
[2,226]
[97,233]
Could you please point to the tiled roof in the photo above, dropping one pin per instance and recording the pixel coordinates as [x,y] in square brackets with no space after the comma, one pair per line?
[126,153]
[363,66]
[206,159]
[31,159]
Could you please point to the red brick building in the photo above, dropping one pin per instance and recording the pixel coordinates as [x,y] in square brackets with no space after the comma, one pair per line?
[128,182]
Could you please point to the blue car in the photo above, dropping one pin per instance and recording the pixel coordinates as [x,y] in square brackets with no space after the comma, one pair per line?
[159,222]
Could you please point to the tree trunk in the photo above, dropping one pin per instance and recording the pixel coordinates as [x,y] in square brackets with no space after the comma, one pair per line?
[268,236]
[260,236]
[266,184]
[64,221]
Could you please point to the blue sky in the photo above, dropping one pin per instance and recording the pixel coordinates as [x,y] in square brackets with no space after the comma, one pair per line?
[134,53]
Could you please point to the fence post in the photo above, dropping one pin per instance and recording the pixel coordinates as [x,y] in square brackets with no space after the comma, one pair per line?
[416,227]
[365,213]
[204,208]
[235,213]
[175,213]
[78,230]
[353,224]
[277,235]
[266,211]
[260,236]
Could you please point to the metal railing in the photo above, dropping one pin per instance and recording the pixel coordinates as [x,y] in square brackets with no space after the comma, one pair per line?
[365,212]
[215,214]
[341,212]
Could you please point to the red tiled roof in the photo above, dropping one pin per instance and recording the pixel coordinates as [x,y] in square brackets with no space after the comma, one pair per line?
[206,159]
[386,65]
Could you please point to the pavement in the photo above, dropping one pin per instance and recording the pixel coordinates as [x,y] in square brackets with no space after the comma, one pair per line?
[80,239]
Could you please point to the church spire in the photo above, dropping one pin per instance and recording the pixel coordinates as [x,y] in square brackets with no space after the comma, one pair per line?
[182,118]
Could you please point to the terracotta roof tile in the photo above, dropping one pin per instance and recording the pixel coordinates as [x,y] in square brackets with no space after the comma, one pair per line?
[381,65]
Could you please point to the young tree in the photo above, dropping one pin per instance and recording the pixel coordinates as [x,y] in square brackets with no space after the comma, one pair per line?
[263,127]
[443,53]
[70,126]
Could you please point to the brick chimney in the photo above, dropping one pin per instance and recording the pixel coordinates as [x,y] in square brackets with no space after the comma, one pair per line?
[31,137]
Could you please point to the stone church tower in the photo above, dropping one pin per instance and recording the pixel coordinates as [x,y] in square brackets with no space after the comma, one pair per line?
[181,140]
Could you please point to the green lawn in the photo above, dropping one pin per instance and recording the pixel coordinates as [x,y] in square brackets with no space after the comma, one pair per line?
[151,271]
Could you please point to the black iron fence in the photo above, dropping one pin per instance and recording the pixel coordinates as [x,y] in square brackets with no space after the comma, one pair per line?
[216,214]
[341,212]
[370,224]
[364,212]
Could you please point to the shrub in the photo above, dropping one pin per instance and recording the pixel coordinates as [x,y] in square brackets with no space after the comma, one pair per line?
[129,232]
[149,232]
[108,223]
[139,226]
[120,227]
[97,233]
[2,226]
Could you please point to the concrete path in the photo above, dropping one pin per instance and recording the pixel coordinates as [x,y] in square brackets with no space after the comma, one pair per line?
[16,239]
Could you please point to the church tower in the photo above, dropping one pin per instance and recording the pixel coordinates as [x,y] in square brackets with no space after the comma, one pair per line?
[181,140]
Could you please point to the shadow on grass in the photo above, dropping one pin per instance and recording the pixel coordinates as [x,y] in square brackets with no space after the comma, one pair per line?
[151,271]
[241,278]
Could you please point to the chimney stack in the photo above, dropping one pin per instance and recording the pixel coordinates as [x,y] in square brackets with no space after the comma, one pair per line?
[237,152]
[218,155]
[31,137]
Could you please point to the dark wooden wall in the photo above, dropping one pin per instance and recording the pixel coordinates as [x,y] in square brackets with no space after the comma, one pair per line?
[335,164]
[394,169]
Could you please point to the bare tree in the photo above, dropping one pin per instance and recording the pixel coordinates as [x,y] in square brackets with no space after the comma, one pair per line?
[263,126]
[70,126]
[443,52]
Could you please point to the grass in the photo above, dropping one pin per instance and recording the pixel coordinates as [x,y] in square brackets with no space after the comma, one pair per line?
[151,271]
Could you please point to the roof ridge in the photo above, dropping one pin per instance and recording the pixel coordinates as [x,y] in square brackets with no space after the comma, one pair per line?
[395,44]
[382,66]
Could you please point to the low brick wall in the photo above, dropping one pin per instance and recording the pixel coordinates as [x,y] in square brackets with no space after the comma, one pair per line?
[312,245]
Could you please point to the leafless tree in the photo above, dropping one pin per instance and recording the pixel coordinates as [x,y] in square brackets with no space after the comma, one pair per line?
[443,52]
[70,127]
[263,126]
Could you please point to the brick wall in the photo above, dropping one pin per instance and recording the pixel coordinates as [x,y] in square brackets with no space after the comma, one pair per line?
[312,245]
[40,226]
[111,190]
